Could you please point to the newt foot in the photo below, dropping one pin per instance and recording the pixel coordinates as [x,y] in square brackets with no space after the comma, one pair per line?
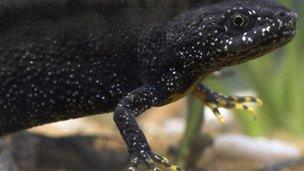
[215,100]
[151,161]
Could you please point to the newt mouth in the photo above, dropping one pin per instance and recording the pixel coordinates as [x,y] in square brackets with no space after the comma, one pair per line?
[265,48]
[270,45]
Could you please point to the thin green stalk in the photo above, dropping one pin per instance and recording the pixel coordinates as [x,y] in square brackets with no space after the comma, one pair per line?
[192,132]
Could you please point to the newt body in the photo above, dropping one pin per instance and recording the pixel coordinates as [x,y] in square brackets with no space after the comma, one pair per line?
[68,59]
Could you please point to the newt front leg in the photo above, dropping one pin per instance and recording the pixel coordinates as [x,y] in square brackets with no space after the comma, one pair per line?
[125,115]
[215,100]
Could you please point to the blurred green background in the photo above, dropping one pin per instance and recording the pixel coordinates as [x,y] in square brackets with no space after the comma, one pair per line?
[278,79]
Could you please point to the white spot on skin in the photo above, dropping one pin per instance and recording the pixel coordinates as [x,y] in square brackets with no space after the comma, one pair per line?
[226,48]
[250,39]
[244,38]
[226,28]
[280,23]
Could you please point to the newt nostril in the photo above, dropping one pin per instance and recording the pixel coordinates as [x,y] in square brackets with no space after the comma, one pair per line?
[294,15]
[289,17]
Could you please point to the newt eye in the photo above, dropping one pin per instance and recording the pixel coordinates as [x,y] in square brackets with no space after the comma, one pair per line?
[239,20]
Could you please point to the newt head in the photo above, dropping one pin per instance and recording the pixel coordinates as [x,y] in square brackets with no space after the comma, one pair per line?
[231,32]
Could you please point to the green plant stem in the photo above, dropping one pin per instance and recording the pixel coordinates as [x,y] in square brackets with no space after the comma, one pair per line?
[193,126]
